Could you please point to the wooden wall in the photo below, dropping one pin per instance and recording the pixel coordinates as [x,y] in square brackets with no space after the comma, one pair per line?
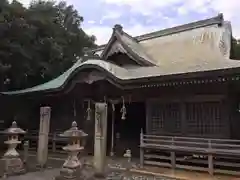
[203,116]
[205,111]
[220,97]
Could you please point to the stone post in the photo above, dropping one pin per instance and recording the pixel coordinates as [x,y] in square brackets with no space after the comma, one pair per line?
[13,164]
[72,167]
[100,139]
[42,151]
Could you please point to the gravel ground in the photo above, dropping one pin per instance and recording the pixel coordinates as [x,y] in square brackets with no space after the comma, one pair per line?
[40,175]
[50,174]
[55,162]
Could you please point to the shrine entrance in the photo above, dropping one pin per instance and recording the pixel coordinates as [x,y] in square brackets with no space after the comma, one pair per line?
[126,132]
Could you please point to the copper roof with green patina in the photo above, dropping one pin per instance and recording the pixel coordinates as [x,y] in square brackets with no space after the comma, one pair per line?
[134,73]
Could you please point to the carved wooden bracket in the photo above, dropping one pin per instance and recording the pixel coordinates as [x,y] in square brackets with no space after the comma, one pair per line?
[91,77]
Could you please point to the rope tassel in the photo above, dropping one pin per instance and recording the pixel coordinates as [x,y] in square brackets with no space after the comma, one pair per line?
[89,111]
[123,110]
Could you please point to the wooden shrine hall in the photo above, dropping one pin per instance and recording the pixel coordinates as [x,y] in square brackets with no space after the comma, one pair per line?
[174,83]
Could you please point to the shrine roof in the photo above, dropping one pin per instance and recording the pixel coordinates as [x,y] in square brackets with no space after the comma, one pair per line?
[168,31]
[208,38]
[201,46]
[122,74]
[122,42]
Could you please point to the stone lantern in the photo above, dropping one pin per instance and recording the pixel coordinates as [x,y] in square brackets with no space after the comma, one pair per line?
[13,164]
[72,167]
[128,156]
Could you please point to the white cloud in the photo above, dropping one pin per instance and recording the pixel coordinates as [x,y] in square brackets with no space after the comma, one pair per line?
[111,15]
[229,8]
[101,32]
[197,6]
[143,6]
[26,3]
[236,30]
[91,22]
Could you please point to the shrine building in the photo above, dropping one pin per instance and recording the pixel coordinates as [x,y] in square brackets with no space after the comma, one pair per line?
[178,81]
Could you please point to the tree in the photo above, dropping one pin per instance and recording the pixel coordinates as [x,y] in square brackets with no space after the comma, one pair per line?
[235,48]
[38,43]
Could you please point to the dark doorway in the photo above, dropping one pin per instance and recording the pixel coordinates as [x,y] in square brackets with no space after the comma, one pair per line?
[127,132]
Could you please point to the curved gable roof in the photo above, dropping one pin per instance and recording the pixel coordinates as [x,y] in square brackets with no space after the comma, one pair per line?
[61,80]
[129,46]
[121,75]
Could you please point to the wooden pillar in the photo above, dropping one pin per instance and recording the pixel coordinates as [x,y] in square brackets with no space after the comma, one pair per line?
[141,150]
[54,142]
[173,156]
[148,120]
[113,122]
[210,159]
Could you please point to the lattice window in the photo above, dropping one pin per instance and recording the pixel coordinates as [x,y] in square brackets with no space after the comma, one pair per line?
[204,118]
[164,118]
[156,119]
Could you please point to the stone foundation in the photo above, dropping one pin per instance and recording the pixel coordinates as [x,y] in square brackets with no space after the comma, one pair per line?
[13,166]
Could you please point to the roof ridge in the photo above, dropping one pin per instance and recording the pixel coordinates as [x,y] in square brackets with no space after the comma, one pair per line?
[131,37]
[197,24]
[135,53]
[118,35]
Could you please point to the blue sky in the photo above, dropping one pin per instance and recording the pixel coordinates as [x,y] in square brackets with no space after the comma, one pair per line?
[143,16]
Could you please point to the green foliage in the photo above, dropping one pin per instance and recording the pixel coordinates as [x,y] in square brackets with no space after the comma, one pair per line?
[38,43]
[235,49]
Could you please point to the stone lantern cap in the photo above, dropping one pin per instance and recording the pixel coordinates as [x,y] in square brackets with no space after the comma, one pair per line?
[73,132]
[13,130]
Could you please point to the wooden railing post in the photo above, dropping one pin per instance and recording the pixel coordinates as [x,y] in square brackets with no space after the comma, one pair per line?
[210,159]
[141,149]
[54,142]
[173,155]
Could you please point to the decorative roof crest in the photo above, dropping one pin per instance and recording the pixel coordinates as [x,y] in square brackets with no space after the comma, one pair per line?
[118,27]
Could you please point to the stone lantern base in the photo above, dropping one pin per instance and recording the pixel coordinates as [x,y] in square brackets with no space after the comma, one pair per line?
[13,166]
[70,174]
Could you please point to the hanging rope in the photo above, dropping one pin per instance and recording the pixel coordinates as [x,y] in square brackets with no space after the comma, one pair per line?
[89,110]
[123,109]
